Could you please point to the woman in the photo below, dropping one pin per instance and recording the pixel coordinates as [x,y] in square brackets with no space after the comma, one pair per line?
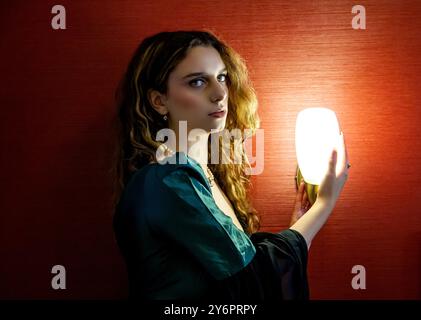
[184,224]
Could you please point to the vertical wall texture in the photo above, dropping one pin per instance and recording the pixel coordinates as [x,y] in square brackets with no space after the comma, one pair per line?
[57,102]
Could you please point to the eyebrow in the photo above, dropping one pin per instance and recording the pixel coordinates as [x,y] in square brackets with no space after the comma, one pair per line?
[200,74]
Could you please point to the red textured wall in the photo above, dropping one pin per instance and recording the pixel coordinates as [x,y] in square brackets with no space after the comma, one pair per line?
[57,89]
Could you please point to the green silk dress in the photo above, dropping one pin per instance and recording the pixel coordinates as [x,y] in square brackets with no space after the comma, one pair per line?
[178,244]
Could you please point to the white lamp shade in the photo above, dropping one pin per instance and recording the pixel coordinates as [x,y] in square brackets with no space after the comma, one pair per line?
[317,133]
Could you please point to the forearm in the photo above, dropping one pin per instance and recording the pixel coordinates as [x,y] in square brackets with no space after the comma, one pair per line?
[312,221]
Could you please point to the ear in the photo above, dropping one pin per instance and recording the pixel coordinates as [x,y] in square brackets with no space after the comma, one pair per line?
[157,101]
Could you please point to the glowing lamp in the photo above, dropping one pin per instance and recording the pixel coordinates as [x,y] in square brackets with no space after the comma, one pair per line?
[317,133]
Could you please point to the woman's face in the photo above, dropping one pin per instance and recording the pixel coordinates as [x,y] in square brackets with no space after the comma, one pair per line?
[196,88]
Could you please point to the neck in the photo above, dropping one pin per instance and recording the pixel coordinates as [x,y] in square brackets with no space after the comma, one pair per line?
[196,148]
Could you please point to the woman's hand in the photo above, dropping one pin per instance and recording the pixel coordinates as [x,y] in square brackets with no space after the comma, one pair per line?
[301,204]
[334,181]
[309,223]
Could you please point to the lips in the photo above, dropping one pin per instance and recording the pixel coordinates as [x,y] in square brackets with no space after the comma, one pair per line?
[219,113]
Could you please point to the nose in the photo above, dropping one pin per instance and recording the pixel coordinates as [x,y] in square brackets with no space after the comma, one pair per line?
[219,93]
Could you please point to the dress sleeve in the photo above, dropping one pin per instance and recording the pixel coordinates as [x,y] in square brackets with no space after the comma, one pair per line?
[191,219]
[277,272]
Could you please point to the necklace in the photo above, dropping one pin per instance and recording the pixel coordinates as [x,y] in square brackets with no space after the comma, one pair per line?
[211,178]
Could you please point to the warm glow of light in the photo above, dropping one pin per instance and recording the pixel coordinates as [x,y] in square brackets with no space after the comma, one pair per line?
[316,134]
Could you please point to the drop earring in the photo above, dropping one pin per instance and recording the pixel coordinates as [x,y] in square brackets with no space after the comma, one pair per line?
[165,118]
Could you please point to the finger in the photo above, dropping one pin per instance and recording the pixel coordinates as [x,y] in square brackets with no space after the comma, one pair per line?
[344,154]
[332,161]
[299,197]
[345,160]
[304,198]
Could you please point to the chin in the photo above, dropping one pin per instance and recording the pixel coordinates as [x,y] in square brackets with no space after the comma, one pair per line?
[217,129]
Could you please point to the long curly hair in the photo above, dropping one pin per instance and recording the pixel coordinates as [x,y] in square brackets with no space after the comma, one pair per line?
[137,122]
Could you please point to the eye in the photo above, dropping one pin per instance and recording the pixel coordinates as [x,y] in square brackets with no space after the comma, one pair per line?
[225,76]
[194,83]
